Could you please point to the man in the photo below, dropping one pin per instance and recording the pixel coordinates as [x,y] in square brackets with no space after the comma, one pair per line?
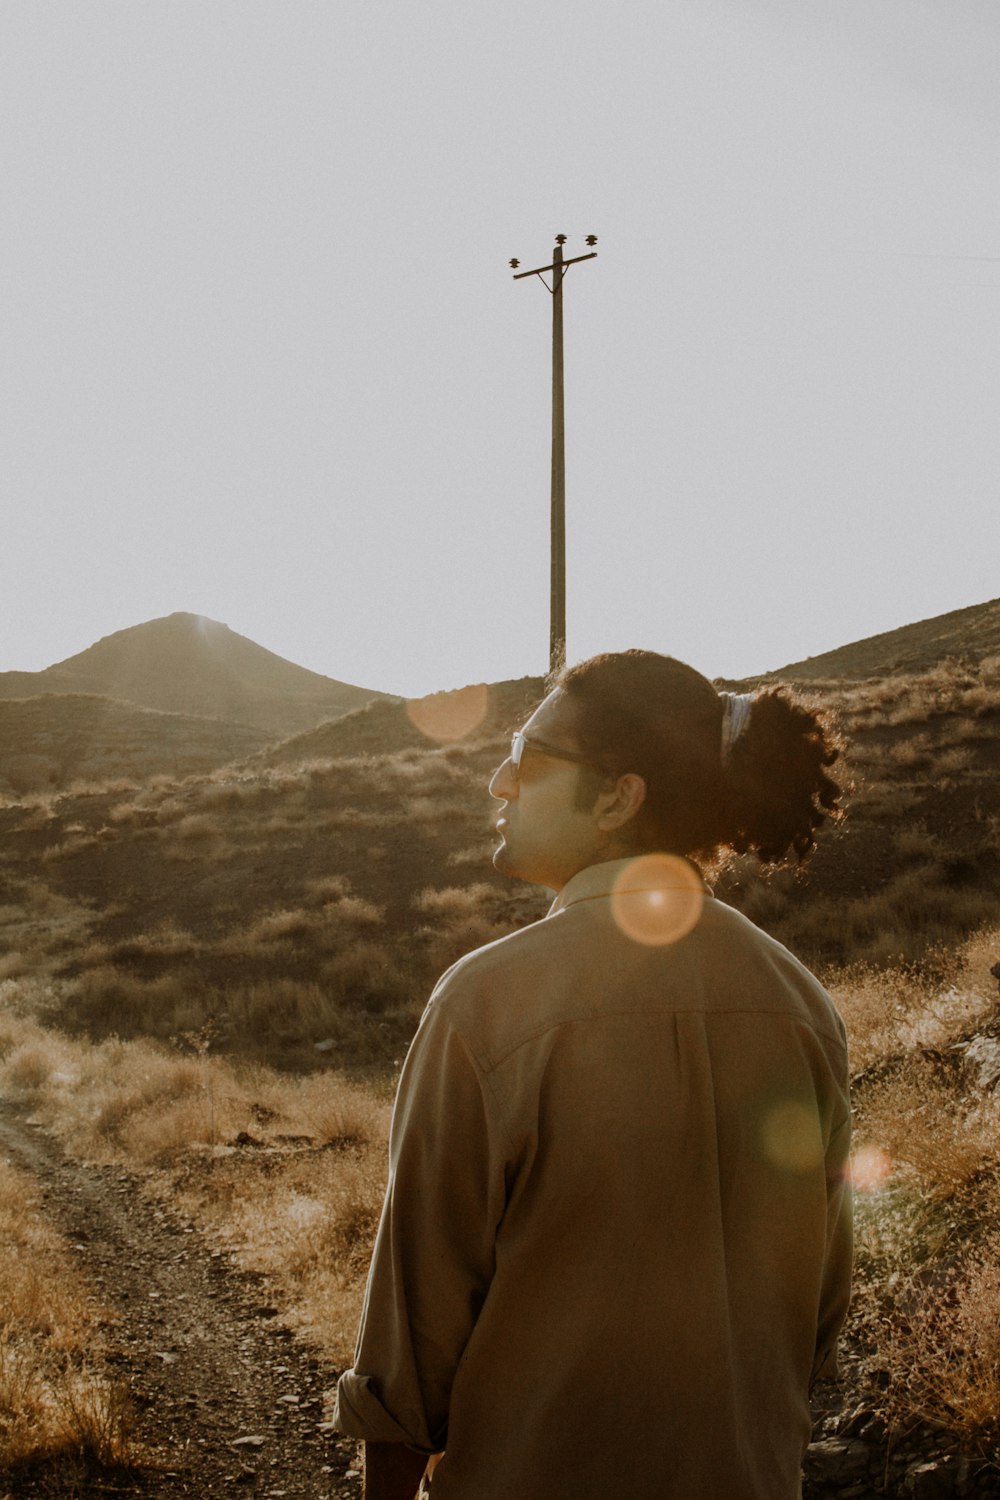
[615,1247]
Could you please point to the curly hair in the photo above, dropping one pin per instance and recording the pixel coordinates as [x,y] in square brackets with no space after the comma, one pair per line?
[652,715]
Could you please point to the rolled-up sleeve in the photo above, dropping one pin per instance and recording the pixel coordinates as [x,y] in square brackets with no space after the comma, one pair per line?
[434,1253]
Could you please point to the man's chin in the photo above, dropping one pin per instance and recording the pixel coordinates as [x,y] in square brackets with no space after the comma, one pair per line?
[506,863]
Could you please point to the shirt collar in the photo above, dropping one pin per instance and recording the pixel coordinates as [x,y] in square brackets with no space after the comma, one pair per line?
[599,880]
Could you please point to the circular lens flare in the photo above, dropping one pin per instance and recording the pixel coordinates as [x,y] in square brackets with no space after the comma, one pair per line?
[449,716]
[792,1137]
[657,899]
[871,1168]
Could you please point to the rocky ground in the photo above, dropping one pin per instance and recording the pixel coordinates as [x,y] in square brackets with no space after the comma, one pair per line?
[851,1456]
[229,1403]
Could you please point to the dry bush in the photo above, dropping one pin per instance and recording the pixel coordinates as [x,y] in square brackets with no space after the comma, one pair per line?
[473,854]
[15,963]
[113,1097]
[307,1220]
[325,928]
[365,976]
[915,754]
[67,848]
[198,826]
[927,1285]
[903,1008]
[456,902]
[874,1003]
[128,1093]
[940,1348]
[328,889]
[433,808]
[108,1001]
[917,1118]
[917,911]
[914,842]
[271,1009]
[953,762]
[282,926]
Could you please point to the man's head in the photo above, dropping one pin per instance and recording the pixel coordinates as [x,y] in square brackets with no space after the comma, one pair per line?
[634,753]
[609,763]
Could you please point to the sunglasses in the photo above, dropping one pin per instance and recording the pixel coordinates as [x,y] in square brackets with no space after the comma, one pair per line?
[520,742]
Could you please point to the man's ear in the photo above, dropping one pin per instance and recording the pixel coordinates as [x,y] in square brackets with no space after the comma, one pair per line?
[619,804]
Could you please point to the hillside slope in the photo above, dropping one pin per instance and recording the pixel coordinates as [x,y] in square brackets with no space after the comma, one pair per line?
[49,742]
[972,633]
[491,711]
[188,664]
[319,897]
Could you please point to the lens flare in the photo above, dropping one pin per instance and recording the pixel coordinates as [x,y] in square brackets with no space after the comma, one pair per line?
[450,716]
[792,1137]
[657,899]
[871,1168]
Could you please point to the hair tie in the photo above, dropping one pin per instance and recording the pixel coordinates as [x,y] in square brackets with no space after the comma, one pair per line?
[735,718]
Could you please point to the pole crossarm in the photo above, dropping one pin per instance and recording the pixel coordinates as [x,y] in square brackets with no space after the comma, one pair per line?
[539,270]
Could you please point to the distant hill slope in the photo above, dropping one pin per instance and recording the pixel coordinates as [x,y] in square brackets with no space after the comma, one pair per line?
[187,664]
[49,742]
[973,633]
[480,711]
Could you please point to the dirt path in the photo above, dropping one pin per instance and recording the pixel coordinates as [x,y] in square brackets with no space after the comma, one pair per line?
[208,1366]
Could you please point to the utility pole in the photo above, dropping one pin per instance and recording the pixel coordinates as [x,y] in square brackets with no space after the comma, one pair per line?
[557,609]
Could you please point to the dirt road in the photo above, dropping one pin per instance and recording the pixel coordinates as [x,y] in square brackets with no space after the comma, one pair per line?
[228,1402]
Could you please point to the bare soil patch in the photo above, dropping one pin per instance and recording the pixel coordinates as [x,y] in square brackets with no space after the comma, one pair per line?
[227,1402]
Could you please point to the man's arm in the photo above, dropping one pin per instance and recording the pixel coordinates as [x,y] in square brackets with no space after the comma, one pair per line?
[392,1471]
[434,1254]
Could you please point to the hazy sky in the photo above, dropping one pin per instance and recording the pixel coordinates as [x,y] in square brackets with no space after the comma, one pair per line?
[262,357]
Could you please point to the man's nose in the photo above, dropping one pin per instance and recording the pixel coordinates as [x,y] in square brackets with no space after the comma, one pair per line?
[503,782]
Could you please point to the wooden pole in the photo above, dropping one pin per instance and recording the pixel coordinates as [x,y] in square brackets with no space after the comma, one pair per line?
[557,589]
[557,612]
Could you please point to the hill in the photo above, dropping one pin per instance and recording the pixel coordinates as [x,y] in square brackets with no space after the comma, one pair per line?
[490,711]
[188,664]
[300,896]
[972,634]
[49,742]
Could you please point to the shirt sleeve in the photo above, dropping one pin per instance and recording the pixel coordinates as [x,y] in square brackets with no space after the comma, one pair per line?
[434,1252]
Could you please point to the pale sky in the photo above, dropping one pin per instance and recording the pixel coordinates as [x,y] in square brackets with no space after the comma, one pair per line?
[263,359]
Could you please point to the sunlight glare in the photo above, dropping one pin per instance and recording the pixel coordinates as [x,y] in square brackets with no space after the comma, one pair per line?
[871,1168]
[452,715]
[792,1137]
[657,899]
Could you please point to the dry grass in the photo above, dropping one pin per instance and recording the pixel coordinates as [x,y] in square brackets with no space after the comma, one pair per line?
[288,1174]
[927,1300]
[55,1400]
[946,1350]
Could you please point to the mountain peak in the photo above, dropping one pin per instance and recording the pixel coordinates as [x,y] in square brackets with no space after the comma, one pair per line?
[189,663]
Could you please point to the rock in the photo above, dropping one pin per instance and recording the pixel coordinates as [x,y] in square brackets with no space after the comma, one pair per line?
[838,1460]
[853,1423]
[982,1058]
[929,1481]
